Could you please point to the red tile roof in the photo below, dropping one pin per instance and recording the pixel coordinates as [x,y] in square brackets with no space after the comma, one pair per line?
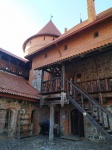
[79,28]
[13,55]
[49,29]
[104,13]
[15,85]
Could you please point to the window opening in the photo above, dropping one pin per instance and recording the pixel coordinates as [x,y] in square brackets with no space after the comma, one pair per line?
[96,34]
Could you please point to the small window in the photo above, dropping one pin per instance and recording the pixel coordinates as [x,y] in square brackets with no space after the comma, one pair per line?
[30,42]
[53,39]
[96,34]
[44,37]
[65,47]
[46,55]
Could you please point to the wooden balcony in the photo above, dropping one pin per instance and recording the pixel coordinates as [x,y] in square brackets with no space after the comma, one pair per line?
[97,86]
[14,70]
[51,86]
[93,86]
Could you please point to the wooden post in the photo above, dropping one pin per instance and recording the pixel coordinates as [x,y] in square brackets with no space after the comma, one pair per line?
[42,78]
[51,129]
[63,77]
[100,98]
[9,62]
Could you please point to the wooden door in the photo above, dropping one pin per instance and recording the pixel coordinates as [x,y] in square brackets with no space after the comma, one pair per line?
[74,122]
[77,124]
[80,124]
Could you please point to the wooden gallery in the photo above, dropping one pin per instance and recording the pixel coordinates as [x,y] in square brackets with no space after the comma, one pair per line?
[66,79]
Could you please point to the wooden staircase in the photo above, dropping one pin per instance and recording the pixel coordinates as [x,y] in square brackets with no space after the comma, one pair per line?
[90,108]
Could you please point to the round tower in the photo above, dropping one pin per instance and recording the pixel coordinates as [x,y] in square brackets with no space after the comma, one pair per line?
[46,35]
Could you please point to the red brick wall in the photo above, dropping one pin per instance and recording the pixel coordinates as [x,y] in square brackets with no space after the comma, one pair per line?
[78,43]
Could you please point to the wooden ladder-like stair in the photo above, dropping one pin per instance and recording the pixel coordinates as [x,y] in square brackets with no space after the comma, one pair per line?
[90,108]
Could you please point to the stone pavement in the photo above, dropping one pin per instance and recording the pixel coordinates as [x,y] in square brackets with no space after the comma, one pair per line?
[42,143]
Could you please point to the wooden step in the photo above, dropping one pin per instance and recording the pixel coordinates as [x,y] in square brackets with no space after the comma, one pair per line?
[86,109]
[109,131]
[97,119]
[94,116]
[79,101]
[89,112]
[106,128]
[100,123]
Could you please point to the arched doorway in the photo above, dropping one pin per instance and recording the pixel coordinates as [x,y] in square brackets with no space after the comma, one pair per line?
[77,124]
[7,123]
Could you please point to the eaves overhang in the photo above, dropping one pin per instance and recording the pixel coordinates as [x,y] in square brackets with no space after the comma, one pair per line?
[61,38]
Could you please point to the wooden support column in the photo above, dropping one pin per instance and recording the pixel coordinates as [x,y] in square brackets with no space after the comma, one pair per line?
[42,78]
[17,67]
[100,98]
[51,129]
[63,77]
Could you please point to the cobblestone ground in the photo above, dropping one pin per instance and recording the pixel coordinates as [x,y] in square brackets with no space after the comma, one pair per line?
[42,143]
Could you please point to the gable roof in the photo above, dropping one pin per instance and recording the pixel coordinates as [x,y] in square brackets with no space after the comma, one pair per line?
[15,85]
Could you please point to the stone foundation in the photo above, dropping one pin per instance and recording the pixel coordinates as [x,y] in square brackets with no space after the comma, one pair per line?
[10,109]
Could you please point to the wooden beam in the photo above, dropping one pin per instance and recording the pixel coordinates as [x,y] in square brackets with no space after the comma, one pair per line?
[63,76]
[18,97]
[42,77]
[51,130]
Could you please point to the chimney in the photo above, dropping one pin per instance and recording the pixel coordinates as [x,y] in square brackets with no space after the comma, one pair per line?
[91,10]
[65,30]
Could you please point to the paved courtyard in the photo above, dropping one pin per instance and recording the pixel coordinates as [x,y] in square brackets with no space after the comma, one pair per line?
[42,143]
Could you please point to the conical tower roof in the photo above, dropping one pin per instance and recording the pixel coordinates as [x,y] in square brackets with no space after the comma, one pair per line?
[49,29]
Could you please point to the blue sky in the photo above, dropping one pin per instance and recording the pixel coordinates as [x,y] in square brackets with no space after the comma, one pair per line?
[20,19]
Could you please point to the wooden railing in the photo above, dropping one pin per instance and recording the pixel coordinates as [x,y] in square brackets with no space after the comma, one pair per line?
[91,108]
[14,70]
[93,86]
[53,85]
[101,85]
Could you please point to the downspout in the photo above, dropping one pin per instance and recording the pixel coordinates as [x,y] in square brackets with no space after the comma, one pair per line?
[58,49]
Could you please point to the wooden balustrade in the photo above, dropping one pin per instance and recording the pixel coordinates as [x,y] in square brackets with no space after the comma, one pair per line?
[14,70]
[94,86]
[93,110]
[53,85]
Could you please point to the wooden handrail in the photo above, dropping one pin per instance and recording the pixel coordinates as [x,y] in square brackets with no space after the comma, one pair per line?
[53,85]
[85,94]
[100,85]
[52,79]
[9,68]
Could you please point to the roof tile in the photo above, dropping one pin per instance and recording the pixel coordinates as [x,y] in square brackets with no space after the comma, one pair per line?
[16,85]
[49,29]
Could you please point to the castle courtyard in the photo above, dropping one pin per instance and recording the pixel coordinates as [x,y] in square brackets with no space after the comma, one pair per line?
[42,143]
